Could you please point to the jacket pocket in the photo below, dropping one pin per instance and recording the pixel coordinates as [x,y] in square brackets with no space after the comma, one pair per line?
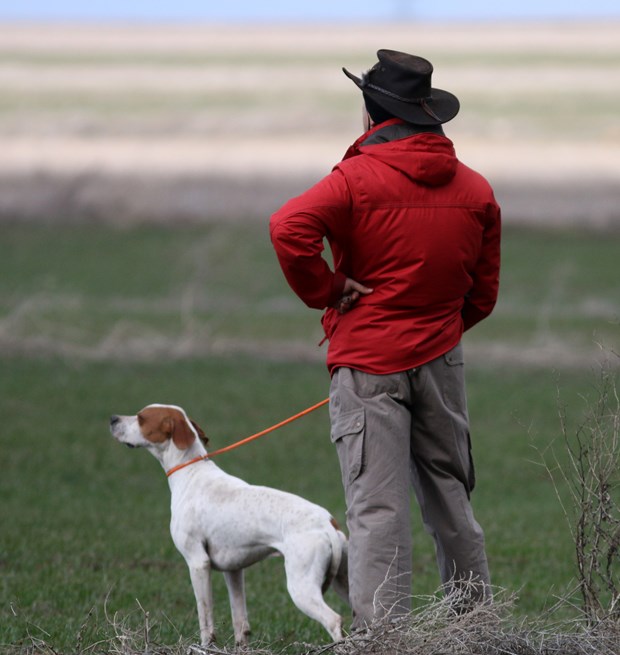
[348,430]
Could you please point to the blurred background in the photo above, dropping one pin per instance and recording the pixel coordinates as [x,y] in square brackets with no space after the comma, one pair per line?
[146,111]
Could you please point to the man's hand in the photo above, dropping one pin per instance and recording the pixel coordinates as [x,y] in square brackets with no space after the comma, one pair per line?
[350,295]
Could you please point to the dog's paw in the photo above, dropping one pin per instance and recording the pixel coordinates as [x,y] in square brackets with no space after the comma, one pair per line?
[242,640]
[208,640]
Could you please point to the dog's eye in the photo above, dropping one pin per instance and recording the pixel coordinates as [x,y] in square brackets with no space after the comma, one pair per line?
[140,420]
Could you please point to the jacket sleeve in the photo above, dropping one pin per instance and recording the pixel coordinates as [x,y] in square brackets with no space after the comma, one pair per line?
[297,231]
[482,297]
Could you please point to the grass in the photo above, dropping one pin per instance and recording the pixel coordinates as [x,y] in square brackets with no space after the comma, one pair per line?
[91,322]
[107,292]
[87,519]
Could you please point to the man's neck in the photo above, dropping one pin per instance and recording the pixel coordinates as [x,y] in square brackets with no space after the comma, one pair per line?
[393,130]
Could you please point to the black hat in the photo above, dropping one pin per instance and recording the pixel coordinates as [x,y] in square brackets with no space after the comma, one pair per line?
[401,84]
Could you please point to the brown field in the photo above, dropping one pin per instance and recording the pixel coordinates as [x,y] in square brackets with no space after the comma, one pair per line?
[210,121]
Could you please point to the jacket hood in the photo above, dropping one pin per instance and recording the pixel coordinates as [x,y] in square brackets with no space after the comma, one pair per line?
[426,157]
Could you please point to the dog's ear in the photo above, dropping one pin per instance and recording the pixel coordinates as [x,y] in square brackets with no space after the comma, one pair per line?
[200,431]
[182,435]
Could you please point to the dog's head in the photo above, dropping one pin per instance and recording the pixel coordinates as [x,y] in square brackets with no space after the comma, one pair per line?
[157,425]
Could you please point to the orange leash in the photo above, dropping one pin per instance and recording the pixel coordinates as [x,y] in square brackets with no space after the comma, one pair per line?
[237,444]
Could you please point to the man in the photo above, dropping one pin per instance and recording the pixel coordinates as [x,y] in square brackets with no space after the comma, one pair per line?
[415,238]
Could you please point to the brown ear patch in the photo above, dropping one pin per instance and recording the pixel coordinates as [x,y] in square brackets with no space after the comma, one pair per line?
[155,424]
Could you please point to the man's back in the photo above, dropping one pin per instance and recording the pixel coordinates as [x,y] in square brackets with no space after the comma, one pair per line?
[417,226]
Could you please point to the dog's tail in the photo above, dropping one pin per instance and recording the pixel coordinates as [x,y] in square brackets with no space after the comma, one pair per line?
[337,573]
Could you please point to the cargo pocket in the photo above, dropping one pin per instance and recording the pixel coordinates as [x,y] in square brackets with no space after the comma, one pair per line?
[454,380]
[455,357]
[348,434]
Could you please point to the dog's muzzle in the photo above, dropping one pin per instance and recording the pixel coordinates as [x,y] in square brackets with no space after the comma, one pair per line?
[114,421]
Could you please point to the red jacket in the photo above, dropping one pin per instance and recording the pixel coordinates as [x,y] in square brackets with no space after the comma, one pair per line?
[409,220]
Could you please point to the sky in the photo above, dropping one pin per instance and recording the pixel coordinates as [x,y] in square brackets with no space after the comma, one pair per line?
[304,10]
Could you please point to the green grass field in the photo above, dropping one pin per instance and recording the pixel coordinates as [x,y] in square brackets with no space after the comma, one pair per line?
[96,321]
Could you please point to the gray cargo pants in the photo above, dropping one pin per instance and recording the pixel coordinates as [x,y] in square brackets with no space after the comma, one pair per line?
[393,431]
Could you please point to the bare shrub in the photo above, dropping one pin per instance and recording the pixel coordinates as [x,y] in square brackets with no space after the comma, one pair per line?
[437,628]
[591,473]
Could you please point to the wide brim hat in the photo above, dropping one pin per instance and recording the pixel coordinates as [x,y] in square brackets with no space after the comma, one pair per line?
[401,84]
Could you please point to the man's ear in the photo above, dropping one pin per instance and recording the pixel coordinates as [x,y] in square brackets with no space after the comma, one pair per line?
[200,431]
[182,435]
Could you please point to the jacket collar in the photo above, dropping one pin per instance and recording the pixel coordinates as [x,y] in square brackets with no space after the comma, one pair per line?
[391,130]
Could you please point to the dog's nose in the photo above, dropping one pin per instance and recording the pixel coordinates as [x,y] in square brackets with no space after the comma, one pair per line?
[114,420]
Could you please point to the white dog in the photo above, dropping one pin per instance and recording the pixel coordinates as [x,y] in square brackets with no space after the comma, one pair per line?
[222,523]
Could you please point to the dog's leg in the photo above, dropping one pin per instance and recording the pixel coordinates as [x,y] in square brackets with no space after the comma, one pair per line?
[200,574]
[340,582]
[305,574]
[236,594]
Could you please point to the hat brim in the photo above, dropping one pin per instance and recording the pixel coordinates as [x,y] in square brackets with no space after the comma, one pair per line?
[443,104]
